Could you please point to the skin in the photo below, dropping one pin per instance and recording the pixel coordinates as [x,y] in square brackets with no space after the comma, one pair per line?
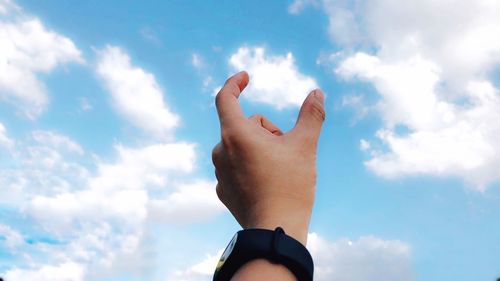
[267,178]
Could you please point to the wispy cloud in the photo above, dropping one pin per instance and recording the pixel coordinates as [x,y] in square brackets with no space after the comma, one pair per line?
[135,93]
[5,141]
[27,49]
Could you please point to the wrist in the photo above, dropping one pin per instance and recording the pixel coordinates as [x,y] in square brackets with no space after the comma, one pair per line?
[294,218]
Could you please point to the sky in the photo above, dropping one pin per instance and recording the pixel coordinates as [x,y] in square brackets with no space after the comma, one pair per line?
[107,122]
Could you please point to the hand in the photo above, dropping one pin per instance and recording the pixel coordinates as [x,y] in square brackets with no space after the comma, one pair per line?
[267,178]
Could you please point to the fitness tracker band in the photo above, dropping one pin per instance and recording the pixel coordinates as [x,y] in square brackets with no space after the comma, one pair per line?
[275,246]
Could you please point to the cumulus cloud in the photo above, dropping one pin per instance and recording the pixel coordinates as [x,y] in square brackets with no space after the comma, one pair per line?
[368,258]
[135,93]
[106,204]
[28,48]
[100,220]
[274,80]
[126,181]
[144,167]
[97,212]
[430,62]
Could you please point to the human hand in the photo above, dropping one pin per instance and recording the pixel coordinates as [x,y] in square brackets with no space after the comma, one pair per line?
[267,178]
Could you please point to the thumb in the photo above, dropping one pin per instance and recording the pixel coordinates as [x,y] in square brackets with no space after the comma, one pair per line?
[311,116]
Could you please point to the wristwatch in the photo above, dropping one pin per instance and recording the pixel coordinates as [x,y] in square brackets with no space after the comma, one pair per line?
[275,246]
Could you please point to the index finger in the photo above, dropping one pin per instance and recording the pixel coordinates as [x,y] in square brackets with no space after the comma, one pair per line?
[226,100]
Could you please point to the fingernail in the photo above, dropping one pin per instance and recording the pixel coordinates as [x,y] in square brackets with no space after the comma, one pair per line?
[318,94]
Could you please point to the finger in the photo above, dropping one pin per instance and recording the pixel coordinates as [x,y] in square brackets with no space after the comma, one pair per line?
[266,124]
[311,116]
[226,100]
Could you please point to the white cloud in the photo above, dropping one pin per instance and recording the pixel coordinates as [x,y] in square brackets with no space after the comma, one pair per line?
[207,82]
[98,210]
[216,90]
[105,219]
[56,140]
[360,260]
[126,206]
[145,166]
[358,103]
[202,271]
[365,259]
[431,67]
[126,181]
[93,212]
[5,141]
[135,93]
[68,271]
[364,145]
[99,218]
[407,90]
[10,237]
[28,48]
[102,222]
[7,6]
[342,25]
[274,80]
[298,5]
[44,163]
[197,61]
[178,206]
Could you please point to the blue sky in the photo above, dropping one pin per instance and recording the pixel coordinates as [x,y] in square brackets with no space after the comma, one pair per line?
[107,123]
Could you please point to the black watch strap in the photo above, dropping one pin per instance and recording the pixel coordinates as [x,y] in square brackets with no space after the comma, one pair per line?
[274,246]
